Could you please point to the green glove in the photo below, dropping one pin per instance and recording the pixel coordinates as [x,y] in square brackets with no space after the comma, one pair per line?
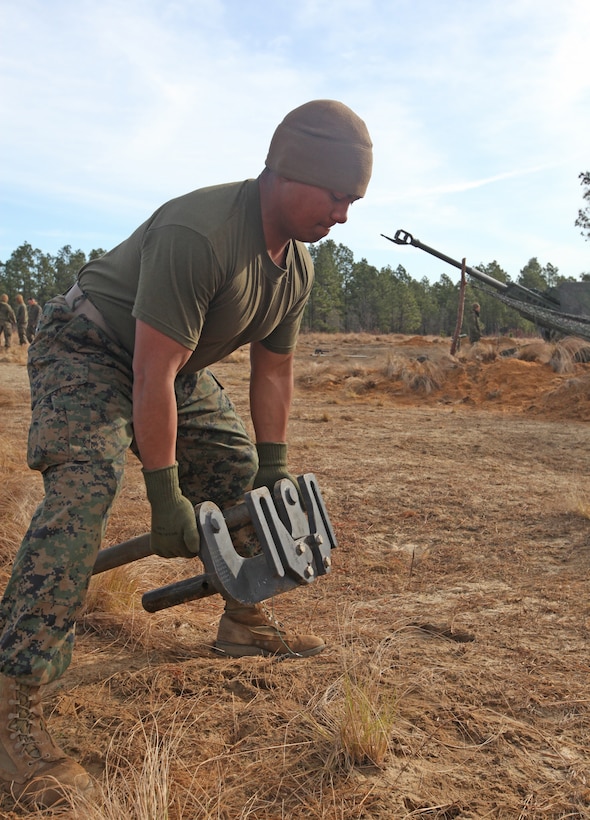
[174,525]
[272,465]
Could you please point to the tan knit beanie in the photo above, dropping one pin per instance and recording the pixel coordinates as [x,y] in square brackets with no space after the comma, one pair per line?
[323,143]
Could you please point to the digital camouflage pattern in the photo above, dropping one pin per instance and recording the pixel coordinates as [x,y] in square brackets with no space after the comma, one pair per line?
[22,317]
[81,428]
[34,314]
[7,319]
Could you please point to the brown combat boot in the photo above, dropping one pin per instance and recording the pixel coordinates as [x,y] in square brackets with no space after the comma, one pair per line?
[252,630]
[32,768]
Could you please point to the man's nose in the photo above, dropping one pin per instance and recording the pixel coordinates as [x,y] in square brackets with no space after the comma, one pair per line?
[340,211]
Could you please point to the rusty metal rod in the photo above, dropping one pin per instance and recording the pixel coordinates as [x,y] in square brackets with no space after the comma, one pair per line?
[235,517]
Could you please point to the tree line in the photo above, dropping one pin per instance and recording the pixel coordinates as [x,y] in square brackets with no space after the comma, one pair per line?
[348,296]
[352,297]
[31,272]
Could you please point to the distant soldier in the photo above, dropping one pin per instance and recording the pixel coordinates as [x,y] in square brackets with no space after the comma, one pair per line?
[34,316]
[475,327]
[22,318]
[7,320]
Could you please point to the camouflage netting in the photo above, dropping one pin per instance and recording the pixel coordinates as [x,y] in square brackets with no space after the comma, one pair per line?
[569,324]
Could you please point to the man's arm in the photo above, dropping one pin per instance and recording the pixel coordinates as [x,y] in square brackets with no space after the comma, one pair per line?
[156,363]
[271,391]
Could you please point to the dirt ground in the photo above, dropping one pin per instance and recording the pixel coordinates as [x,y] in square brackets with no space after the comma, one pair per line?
[457,614]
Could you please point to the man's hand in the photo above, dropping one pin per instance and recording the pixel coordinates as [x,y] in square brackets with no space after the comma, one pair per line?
[272,465]
[174,526]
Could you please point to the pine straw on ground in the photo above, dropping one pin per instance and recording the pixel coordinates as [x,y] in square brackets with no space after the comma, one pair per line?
[455,682]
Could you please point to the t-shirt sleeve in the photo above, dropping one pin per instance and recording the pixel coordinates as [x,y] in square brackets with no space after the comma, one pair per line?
[179,276]
[283,339]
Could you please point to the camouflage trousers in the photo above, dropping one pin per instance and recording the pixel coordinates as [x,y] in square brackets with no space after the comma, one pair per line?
[81,429]
[6,331]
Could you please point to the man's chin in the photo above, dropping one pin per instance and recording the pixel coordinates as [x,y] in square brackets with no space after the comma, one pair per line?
[320,232]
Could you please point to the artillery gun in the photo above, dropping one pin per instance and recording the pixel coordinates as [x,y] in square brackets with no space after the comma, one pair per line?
[563,310]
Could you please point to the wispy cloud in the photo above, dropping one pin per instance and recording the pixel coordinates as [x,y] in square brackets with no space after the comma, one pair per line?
[469,184]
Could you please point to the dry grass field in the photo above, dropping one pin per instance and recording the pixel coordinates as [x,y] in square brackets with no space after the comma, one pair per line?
[456,679]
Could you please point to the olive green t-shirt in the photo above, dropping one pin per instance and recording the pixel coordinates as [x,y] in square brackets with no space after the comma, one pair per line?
[198,271]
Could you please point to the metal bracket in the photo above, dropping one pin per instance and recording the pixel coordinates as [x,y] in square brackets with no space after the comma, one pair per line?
[296,539]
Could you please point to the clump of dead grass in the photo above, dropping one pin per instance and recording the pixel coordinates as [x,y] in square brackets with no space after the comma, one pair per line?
[354,716]
[416,375]
[20,495]
[112,608]
[138,781]
[578,501]
[421,375]
[365,716]
[356,339]
[113,604]
[139,792]
[562,360]
[567,353]
[483,351]
[561,356]
[321,375]
[355,385]
[536,351]
[115,592]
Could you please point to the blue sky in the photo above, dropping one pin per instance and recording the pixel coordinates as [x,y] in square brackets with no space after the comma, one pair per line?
[479,113]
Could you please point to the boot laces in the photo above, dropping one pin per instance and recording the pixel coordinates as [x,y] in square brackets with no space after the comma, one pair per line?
[270,616]
[281,631]
[22,720]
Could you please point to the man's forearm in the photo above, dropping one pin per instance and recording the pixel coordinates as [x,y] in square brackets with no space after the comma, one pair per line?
[271,391]
[270,405]
[155,424]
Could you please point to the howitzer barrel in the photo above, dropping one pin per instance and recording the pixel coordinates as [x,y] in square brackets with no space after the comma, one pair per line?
[513,290]
[405,238]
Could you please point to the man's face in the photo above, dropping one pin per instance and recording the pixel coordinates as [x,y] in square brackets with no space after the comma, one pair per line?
[308,212]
